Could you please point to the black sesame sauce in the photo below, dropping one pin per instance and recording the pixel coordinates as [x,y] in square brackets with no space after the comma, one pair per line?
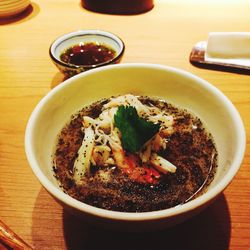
[88,54]
[190,147]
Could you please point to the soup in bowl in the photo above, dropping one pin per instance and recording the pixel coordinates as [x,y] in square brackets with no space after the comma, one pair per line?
[135,146]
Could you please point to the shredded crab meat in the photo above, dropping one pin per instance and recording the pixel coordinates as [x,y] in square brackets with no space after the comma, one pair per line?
[162,164]
[82,162]
[128,100]
[101,155]
[102,141]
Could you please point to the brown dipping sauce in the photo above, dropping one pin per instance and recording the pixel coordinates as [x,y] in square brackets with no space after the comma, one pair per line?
[88,54]
[190,148]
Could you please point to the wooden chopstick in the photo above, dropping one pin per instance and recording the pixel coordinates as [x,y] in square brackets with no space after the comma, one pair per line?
[12,240]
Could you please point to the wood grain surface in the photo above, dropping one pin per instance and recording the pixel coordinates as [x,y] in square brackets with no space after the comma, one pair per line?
[164,35]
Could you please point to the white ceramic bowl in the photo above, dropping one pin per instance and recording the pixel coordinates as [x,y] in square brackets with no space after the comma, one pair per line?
[174,85]
[82,36]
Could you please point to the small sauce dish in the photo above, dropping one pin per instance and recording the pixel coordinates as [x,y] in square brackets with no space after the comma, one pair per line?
[82,50]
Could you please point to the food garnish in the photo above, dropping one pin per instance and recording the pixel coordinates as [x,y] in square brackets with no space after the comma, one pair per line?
[135,131]
[129,135]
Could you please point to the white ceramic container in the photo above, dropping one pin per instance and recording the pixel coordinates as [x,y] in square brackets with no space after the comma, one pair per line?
[176,86]
[84,36]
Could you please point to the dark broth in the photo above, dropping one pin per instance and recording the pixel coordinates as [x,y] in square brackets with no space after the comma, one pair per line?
[190,147]
[88,54]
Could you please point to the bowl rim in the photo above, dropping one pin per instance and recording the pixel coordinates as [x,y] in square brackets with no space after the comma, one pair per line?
[142,216]
[86,32]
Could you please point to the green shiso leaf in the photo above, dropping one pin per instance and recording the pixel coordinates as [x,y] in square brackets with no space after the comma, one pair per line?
[135,130]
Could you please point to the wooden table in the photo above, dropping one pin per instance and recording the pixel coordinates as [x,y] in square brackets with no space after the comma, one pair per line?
[165,35]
